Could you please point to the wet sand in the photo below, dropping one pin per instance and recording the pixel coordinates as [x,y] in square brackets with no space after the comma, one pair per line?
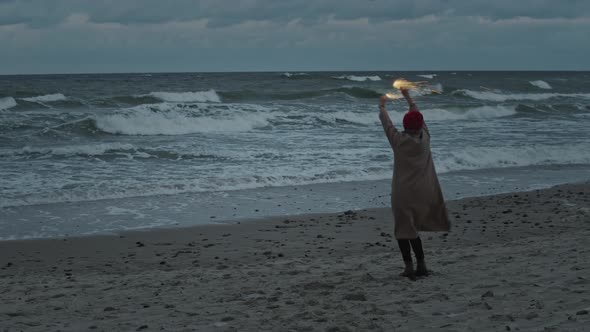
[518,261]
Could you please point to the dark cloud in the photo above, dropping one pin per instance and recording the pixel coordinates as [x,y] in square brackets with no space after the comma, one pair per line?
[53,36]
[223,12]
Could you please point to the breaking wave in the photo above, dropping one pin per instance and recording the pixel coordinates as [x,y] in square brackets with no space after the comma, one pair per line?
[541,84]
[46,98]
[501,97]
[474,113]
[482,112]
[166,119]
[245,95]
[7,102]
[514,156]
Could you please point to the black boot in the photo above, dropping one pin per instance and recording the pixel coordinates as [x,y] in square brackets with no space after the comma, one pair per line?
[409,271]
[421,269]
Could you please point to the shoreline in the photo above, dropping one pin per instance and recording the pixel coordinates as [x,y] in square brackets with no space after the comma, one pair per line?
[515,260]
[114,216]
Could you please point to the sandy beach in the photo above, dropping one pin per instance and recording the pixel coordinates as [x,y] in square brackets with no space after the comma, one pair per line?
[516,261]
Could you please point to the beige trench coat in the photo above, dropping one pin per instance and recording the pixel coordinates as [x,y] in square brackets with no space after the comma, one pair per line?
[416,198]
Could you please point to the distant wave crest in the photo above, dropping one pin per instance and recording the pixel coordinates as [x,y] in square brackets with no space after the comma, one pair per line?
[428,76]
[358,78]
[187,97]
[294,75]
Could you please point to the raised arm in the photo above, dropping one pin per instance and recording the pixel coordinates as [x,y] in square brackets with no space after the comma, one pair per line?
[409,99]
[413,106]
[390,131]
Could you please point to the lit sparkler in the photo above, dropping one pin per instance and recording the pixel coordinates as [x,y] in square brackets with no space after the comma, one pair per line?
[402,83]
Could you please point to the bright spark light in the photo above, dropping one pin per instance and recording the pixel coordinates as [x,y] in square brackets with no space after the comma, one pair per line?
[402,83]
[390,95]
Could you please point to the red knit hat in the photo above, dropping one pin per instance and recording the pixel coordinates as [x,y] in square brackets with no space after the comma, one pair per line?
[413,120]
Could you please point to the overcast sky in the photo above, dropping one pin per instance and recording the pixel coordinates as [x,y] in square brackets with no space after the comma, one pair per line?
[72,36]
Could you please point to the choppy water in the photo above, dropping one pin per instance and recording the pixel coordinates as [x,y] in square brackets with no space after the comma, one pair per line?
[91,137]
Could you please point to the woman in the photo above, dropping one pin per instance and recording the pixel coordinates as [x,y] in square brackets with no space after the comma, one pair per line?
[416,198]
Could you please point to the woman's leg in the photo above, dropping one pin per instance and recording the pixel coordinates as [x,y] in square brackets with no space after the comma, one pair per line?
[417,246]
[404,247]
[419,252]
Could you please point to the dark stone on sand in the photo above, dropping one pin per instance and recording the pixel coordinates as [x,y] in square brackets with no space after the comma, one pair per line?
[355,297]
[349,213]
[143,327]
[488,294]
[139,244]
[582,312]
[319,236]
[227,319]
[9,264]
[315,285]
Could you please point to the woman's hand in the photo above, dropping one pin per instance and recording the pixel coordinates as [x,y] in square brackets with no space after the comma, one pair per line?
[411,103]
[405,92]
[382,101]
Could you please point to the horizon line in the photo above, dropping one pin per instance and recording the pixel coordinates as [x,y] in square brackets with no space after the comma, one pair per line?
[289,71]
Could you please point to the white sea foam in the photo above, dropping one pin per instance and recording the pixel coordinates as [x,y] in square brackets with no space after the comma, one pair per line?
[187,97]
[471,158]
[511,156]
[7,102]
[428,76]
[289,75]
[358,78]
[46,98]
[475,113]
[541,84]
[501,97]
[84,149]
[169,120]
[482,112]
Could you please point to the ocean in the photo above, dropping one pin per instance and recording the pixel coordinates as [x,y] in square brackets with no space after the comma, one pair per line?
[101,153]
